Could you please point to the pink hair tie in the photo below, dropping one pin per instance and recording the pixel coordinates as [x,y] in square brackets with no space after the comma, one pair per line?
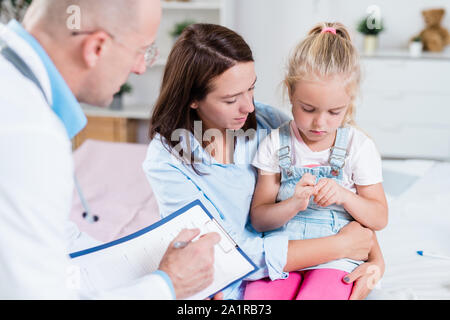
[329,29]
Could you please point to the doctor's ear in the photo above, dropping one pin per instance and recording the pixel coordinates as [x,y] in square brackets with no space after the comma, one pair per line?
[194,105]
[93,47]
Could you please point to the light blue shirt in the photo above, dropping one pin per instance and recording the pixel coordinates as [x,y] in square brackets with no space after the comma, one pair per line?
[226,190]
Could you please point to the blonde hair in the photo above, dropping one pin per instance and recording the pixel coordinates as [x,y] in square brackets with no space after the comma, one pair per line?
[322,55]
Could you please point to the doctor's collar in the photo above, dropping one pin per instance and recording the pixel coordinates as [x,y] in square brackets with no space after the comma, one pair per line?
[64,103]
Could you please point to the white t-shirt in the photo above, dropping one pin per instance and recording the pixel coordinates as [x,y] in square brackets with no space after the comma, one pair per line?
[362,166]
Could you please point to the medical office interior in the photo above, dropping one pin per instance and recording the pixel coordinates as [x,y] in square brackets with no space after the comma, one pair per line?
[404,105]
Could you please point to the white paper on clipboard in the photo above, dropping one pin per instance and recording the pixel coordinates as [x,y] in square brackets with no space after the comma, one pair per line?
[124,260]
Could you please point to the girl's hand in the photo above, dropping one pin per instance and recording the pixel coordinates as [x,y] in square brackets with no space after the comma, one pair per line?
[304,190]
[364,278]
[328,191]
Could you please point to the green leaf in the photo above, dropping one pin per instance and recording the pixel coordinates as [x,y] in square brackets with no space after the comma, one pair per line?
[368,26]
[179,27]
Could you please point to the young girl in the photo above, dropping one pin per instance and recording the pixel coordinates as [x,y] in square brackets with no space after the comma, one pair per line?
[318,172]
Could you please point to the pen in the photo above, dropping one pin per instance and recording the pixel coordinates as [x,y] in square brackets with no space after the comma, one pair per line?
[432,255]
[180,244]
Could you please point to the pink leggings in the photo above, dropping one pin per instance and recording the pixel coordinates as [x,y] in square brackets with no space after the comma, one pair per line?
[317,284]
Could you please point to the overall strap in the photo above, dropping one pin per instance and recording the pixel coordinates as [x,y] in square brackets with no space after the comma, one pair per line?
[339,150]
[284,153]
[21,66]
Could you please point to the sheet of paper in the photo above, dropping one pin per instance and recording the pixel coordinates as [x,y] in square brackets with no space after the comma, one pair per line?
[116,265]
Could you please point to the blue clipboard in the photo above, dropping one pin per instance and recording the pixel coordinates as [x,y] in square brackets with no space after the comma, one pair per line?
[162,222]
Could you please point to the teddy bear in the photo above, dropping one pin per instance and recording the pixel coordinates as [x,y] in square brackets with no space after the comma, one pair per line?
[434,37]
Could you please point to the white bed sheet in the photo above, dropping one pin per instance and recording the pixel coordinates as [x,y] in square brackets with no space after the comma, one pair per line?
[419,219]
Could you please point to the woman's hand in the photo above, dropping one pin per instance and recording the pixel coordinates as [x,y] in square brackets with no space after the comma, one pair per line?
[304,190]
[364,278]
[328,191]
[356,240]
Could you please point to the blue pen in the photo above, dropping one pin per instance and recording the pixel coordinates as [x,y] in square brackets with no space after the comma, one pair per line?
[432,255]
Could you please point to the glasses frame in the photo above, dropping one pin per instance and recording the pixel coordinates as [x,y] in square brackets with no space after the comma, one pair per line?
[150,53]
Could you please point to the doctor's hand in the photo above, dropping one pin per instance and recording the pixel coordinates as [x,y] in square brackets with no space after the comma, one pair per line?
[190,268]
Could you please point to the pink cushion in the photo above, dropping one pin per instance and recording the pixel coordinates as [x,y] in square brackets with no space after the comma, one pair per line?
[115,187]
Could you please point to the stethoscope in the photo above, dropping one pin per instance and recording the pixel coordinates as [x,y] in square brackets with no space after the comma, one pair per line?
[87,215]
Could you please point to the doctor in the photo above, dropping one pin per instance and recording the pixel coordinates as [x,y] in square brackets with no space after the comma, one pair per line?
[46,69]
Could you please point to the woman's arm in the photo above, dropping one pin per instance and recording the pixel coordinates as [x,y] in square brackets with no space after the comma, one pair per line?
[267,214]
[353,241]
[368,206]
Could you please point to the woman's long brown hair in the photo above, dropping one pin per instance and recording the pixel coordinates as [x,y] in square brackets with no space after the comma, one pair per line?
[201,53]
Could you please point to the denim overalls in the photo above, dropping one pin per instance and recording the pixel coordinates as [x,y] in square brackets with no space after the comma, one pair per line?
[315,221]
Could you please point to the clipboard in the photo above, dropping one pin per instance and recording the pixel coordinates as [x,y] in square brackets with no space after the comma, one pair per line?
[124,260]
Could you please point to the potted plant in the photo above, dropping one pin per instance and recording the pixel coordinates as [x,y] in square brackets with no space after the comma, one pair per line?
[117,103]
[415,46]
[179,27]
[13,9]
[370,29]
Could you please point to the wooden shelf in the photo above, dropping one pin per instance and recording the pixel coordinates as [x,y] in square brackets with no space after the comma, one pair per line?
[107,129]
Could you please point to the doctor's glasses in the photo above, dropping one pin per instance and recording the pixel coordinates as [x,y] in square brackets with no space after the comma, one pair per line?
[150,53]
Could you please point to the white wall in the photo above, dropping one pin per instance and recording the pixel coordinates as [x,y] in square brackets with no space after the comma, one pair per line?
[272,27]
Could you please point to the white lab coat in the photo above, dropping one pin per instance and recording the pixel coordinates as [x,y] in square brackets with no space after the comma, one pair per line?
[36,188]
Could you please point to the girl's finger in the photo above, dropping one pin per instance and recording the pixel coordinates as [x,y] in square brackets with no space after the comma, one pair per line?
[329,199]
[307,180]
[323,193]
[320,185]
[306,193]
